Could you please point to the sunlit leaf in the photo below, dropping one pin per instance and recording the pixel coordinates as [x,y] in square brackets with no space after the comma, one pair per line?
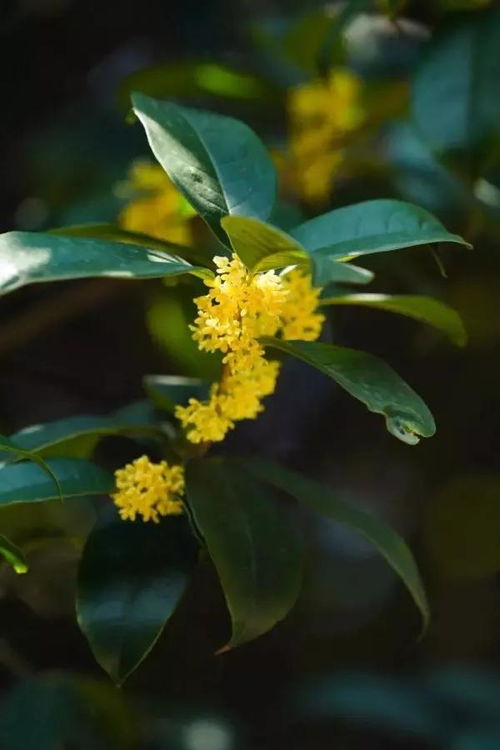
[261,246]
[35,257]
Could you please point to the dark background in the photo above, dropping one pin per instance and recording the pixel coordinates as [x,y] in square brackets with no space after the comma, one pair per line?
[345,670]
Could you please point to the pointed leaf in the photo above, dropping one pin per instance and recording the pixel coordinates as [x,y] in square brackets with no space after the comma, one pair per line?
[218,163]
[169,390]
[35,257]
[251,544]
[376,226]
[370,380]
[327,270]
[323,500]
[30,483]
[261,246]
[131,579]
[116,233]
[67,434]
[423,309]
[13,555]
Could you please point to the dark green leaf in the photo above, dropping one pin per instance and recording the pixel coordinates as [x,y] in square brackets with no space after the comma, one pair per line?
[458,78]
[370,380]
[117,234]
[252,546]
[166,391]
[371,227]
[12,555]
[261,246]
[66,434]
[327,270]
[324,501]
[132,576]
[30,483]
[34,257]
[424,309]
[218,163]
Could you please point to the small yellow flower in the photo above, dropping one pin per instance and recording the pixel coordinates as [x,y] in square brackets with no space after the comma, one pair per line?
[300,321]
[158,209]
[148,489]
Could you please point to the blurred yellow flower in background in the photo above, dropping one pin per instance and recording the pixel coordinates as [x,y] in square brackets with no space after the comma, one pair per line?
[320,114]
[157,208]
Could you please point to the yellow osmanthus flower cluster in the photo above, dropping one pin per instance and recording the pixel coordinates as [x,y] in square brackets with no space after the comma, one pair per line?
[321,115]
[238,309]
[148,489]
[157,208]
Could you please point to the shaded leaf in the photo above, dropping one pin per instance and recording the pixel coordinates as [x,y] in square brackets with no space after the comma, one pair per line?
[370,380]
[321,499]
[29,483]
[35,257]
[375,226]
[424,309]
[131,578]
[217,163]
[251,544]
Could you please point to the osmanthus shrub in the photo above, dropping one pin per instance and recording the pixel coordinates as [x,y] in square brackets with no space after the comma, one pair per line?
[263,296]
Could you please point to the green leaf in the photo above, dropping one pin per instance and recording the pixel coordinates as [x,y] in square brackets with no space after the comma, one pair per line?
[218,163]
[251,544]
[324,501]
[370,380]
[20,452]
[131,578]
[35,257]
[423,309]
[458,77]
[327,270]
[166,391]
[117,234]
[261,246]
[13,555]
[66,434]
[29,483]
[376,226]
